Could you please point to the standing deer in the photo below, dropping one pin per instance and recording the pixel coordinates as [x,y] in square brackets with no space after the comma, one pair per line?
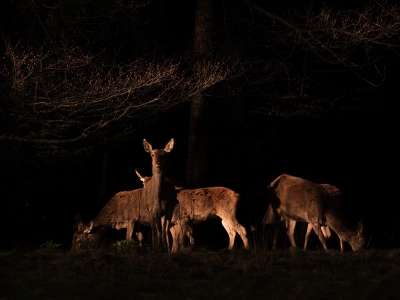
[188,229]
[197,205]
[123,210]
[159,195]
[298,199]
[336,195]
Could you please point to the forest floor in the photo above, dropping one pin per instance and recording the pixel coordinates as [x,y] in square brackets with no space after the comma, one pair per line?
[199,274]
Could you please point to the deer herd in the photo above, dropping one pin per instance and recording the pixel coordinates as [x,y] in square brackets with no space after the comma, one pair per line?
[171,211]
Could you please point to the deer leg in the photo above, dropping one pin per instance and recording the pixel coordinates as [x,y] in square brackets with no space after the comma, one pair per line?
[341,244]
[326,231]
[166,227]
[231,232]
[309,228]
[184,228]
[155,233]
[139,237]
[174,235]
[277,224]
[242,232]
[160,233]
[177,237]
[291,224]
[164,233]
[129,231]
[189,234]
[318,231]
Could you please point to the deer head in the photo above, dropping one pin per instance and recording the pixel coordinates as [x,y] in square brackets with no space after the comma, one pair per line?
[158,155]
[83,237]
[144,179]
[358,241]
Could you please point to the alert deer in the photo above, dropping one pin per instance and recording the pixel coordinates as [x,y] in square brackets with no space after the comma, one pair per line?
[187,229]
[159,194]
[123,210]
[197,205]
[336,195]
[299,199]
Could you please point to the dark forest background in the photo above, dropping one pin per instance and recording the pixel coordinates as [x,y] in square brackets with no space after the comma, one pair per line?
[248,90]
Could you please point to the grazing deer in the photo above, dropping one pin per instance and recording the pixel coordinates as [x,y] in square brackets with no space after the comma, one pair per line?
[123,210]
[197,205]
[297,199]
[336,195]
[159,195]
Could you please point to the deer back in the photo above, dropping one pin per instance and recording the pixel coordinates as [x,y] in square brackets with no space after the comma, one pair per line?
[200,204]
[336,194]
[299,199]
[122,208]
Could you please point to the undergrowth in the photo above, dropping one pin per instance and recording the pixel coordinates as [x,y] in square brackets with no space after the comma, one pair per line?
[140,273]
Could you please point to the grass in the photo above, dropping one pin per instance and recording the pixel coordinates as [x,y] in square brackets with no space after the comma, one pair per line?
[200,274]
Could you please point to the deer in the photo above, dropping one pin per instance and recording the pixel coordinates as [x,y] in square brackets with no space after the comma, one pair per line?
[146,205]
[297,199]
[197,205]
[123,210]
[187,229]
[159,195]
[337,196]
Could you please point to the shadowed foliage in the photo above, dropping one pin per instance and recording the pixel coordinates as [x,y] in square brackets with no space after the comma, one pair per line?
[237,274]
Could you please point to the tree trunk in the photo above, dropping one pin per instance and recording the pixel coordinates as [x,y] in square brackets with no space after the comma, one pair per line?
[197,162]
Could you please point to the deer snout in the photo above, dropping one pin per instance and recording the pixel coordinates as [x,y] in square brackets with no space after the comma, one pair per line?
[158,162]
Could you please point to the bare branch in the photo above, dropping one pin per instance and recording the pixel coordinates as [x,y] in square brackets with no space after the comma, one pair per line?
[66,94]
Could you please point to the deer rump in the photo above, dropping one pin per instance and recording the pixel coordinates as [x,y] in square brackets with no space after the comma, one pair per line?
[123,210]
[297,199]
[197,205]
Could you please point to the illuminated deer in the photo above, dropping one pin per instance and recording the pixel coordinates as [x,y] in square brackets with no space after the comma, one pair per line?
[197,205]
[296,199]
[188,230]
[123,210]
[147,205]
[291,224]
[159,194]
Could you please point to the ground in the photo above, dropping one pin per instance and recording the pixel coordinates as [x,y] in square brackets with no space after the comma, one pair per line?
[199,274]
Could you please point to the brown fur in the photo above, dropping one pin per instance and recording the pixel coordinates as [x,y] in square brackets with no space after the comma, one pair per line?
[337,196]
[298,199]
[188,230]
[158,195]
[197,205]
[124,210]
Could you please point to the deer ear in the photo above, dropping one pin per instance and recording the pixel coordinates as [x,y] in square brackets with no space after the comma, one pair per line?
[89,228]
[360,226]
[147,146]
[80,226]
[138,175]
[169,146]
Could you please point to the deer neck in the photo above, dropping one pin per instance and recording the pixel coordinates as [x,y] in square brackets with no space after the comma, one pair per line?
[342,226]
[158,174]
[153,187]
